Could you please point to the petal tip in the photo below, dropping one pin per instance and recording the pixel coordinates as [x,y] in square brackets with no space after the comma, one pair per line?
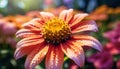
[16,56]
[71,9]
[41,13]
[100,49]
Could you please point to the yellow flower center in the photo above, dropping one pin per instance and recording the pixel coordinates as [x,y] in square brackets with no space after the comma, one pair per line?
[56,31]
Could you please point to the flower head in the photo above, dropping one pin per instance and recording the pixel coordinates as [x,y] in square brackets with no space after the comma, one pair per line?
[52,36]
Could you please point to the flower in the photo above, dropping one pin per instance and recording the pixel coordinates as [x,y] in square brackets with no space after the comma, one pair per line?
[7,32]
[114,40]
[102,60]
[113,48]
[6,27]
[113,35]
[9,29]
[52,36]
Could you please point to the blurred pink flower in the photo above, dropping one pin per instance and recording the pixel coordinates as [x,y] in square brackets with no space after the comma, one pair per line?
[102,60]
[113,48]
[9,29]
[113,35]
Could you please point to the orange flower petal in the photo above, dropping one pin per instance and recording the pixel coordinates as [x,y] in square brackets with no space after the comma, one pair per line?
[26,45]
[36,56]
[85,26]
[74,52]
[25,33]
[63,15]
[66,15]
[86,40]
[20,52]
[46,16]
[78,18]
[30,41]
[33,24]
[54,58]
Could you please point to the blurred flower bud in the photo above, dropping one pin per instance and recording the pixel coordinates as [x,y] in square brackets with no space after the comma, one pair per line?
[9,29]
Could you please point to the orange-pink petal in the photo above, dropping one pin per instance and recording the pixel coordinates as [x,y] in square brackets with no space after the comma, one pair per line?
[86,40]
[30,28]
[84,26]
[54,58]
[74,52]
[46,16]
[66,15]
[25,46]
[26,33]
[35,40]
[77,19]
[20,52]
[36,56]
[33,24]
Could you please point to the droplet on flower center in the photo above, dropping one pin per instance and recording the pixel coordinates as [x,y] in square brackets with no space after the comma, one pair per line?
[56,31]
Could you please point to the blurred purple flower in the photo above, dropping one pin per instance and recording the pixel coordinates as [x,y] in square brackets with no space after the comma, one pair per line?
[113,48]
[102,60]
[113,35]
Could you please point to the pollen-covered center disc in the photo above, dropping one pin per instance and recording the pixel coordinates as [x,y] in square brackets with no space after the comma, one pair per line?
[56,31]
